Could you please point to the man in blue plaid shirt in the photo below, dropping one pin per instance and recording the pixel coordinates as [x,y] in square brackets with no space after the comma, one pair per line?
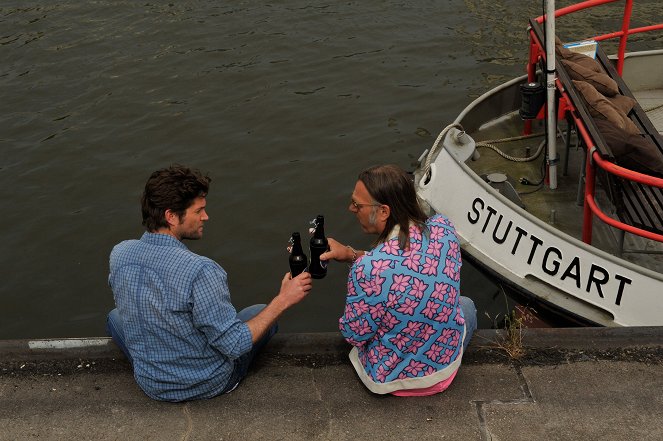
[173,317]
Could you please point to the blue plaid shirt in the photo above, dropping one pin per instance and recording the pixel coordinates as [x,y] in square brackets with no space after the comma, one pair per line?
[179,325]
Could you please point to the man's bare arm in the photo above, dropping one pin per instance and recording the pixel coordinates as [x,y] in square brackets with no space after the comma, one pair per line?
[293,291]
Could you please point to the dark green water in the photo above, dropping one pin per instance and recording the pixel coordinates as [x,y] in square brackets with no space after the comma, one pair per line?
[282,103]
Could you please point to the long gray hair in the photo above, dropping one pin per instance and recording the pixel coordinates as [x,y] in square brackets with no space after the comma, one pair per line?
[391,185]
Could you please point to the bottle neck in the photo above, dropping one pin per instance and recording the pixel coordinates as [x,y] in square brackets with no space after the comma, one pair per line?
[319,232]
[297,247]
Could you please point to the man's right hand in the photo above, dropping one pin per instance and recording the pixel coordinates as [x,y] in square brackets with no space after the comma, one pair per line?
[293,290]
[340,253]
[337,251]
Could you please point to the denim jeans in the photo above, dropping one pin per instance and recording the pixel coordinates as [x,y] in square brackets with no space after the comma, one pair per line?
[470,314]
[241,365]
[115,330]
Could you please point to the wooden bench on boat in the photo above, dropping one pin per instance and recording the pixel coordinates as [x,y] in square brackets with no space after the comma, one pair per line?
[636,204]
[639,205]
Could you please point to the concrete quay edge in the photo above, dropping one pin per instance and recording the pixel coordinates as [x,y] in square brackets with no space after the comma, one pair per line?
[577,384]
[326,345]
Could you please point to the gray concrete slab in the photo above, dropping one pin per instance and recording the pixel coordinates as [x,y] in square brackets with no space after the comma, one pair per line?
[303,388]
[588,400]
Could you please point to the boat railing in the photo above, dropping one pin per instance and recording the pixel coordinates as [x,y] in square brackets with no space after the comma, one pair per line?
[622,34]
[594,157]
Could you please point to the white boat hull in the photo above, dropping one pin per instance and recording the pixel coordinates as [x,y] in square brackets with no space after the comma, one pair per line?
[528,238]
[541,261]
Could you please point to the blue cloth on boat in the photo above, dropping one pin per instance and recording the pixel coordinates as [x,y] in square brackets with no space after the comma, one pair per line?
[179,325]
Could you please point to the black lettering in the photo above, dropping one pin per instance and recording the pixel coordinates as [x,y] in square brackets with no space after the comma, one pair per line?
[521,233]
[491,211]
[598,282]
[535,243]
[474,208]
[501,240]
[555,263]
[622,281]
[573,271]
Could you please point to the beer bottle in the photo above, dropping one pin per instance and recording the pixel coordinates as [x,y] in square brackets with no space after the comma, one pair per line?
[318,245]
[298,260]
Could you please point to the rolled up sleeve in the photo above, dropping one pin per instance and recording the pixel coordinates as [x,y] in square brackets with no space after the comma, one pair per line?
[215,316]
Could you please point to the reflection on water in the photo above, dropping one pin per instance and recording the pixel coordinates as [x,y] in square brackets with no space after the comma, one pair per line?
[282,103]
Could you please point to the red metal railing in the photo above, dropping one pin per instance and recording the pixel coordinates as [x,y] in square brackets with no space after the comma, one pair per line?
[593,208]
[622,34]
[594,159]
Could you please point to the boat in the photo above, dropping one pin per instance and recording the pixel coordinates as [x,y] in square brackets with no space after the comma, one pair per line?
[559,204]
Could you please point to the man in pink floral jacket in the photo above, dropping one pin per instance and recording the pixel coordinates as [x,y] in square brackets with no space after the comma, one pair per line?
[404,314]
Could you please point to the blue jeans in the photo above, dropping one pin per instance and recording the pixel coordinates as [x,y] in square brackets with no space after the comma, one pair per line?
[470,314]
[241,365]
[115,330]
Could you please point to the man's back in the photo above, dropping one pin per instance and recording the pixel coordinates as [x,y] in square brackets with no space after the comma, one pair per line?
[180,327]
[173,317]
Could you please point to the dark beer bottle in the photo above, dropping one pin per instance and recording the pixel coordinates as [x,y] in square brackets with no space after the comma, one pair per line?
[298,260]
[318,245]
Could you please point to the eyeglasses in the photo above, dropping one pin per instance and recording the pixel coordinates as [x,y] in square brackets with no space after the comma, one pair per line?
[358,207]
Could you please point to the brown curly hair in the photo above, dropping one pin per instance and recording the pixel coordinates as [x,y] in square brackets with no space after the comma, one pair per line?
[173,188]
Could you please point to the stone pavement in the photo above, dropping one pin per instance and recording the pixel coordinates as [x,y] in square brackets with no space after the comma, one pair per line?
[572,384]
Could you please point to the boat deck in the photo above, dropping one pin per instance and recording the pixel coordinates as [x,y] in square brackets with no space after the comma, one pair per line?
[651,102]
[561,208]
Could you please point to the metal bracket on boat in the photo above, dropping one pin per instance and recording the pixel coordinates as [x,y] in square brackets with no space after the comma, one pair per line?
[504,185]
[453,138]
[591,154]
[422,157]
[459,144]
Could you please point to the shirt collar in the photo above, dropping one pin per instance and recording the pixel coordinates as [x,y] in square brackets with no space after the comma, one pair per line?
[164,240]
[393,234]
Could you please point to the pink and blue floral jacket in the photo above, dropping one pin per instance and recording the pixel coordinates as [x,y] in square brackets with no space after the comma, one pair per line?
[402,313]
